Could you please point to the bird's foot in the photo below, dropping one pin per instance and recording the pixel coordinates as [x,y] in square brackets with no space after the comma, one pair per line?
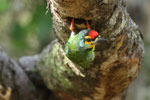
[87,24]
[72,25]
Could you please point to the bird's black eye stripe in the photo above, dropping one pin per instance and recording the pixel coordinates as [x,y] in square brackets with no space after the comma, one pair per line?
[89,40]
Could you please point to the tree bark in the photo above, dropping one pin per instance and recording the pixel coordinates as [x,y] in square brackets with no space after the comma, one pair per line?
[116,64]
[19,80]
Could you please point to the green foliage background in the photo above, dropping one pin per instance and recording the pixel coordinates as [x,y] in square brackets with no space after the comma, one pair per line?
[24,27]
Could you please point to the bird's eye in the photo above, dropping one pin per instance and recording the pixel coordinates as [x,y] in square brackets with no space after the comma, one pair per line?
[88,40]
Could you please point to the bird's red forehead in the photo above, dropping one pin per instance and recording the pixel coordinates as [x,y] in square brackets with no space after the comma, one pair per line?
[93,34]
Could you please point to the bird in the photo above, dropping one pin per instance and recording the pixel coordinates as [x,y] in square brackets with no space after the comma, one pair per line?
[80,47]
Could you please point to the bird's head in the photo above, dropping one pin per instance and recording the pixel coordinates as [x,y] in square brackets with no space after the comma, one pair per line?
[93,38]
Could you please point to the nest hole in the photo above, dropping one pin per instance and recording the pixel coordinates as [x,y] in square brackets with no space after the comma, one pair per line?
[77,20]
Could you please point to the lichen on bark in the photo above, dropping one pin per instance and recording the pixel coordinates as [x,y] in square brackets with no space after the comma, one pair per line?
[117,62]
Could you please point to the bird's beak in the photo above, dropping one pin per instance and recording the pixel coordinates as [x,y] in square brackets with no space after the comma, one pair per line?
[99,39]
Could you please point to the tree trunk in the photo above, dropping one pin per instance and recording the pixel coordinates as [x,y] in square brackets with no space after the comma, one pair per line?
[116,64]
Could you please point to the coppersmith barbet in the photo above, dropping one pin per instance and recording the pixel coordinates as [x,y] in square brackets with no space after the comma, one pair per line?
[80,47]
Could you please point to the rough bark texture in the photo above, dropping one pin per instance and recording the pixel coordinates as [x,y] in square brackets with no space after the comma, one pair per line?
[116,64]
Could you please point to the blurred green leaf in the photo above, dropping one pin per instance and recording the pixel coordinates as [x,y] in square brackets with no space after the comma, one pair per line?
[35,34]
[3,5]
[18,37]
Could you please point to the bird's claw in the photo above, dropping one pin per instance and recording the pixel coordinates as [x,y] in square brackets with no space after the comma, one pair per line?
[87,24]
[72,25]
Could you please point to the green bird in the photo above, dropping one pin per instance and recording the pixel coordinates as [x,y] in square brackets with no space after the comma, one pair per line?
[80,47]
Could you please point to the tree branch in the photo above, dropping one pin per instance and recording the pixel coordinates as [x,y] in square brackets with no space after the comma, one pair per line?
[117,62]
[19,80]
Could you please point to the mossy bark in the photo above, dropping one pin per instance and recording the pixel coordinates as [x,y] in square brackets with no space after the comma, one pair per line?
[117,62]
